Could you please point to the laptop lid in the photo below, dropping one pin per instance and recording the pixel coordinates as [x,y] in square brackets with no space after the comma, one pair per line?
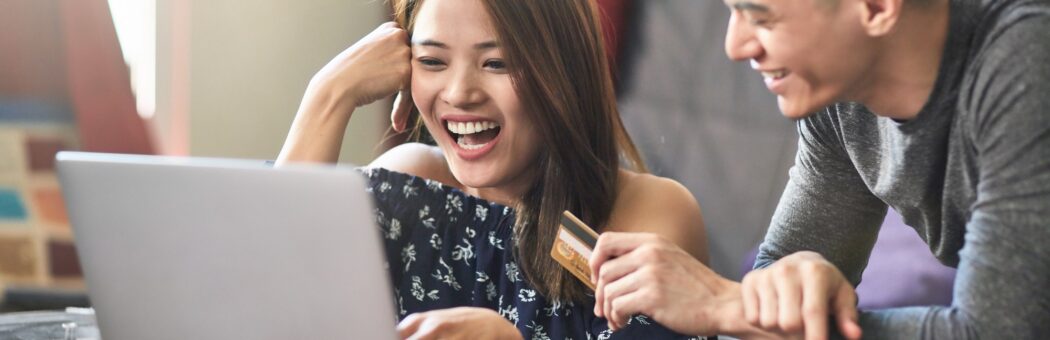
[190,248]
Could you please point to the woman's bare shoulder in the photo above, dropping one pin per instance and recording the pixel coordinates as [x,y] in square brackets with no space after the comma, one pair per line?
[417,159]
[654,204]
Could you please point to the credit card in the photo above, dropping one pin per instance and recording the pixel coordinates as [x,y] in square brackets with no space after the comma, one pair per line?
[573,245]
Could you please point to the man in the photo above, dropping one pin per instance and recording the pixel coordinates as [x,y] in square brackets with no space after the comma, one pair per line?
[939,109]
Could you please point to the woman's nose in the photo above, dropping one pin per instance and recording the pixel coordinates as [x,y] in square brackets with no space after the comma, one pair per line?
[463,90]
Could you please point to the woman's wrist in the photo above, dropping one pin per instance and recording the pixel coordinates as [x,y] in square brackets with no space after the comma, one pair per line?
[727,313]
[330,97]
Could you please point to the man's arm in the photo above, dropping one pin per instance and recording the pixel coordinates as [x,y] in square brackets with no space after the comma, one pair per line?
[826,207]
[1004,270]
[819,240]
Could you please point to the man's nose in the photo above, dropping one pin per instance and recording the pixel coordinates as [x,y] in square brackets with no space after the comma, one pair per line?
[741,43]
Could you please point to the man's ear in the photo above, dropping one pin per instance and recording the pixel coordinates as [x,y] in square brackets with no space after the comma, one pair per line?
[879,17]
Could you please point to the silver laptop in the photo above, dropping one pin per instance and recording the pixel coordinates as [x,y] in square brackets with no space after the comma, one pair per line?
[189,248]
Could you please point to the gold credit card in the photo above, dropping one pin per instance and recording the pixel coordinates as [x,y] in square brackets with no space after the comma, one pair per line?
[573,245]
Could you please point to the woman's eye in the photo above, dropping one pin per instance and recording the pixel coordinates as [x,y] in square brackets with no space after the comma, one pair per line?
[495,64]
[431,62]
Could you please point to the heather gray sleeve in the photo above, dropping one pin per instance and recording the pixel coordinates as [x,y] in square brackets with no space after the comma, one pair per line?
[826,207]
[1004,270]
[1001,287]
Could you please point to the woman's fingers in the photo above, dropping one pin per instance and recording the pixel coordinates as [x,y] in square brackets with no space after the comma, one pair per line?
[624,307]
[603,270]
[613,244]
[612,271]
[409,325]
[617,290]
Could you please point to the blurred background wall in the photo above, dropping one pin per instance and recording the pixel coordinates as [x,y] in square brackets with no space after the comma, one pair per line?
[216,78]
[233,72]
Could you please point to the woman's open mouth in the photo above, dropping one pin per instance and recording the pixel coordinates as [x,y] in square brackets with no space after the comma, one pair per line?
[473,138]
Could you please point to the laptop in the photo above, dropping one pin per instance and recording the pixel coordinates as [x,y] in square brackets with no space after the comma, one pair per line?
[193,248]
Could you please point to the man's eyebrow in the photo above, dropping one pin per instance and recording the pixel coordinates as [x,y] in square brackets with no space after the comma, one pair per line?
[487,45]
[748,6]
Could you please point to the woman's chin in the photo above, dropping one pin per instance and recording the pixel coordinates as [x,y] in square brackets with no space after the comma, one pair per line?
[473,177]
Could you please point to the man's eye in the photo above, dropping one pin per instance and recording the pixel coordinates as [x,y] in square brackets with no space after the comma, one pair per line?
[756,20]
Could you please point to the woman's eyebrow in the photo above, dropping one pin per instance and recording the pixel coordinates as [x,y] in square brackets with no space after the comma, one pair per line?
[431,43]
[487,45]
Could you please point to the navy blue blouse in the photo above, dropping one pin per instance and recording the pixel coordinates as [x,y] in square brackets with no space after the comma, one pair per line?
[448,249]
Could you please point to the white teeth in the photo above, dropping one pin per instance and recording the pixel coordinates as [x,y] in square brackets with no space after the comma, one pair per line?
[463,144]
[774,74]
[466,128]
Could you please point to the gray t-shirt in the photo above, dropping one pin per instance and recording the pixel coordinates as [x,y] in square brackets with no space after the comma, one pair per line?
[971,174]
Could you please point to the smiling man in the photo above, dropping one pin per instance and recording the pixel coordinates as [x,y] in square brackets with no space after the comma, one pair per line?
[939,109]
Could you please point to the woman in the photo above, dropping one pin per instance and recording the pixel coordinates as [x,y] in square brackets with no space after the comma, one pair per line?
[518,98]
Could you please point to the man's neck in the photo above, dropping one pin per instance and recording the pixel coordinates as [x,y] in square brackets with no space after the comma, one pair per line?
[902,80]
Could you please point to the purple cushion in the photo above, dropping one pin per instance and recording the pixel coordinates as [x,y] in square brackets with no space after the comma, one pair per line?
[902,271]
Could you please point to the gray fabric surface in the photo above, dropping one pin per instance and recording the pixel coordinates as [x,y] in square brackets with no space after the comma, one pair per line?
[705,121]
[971,173]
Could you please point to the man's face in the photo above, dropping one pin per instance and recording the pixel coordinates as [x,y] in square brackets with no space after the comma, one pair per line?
[811,53]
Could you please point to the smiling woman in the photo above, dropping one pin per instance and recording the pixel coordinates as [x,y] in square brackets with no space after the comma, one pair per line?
[520,103]
[543,91]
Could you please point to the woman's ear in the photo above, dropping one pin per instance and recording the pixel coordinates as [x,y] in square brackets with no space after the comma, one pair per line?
[878,17]
[403,108]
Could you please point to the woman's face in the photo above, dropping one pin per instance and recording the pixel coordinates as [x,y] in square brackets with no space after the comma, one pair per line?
[464,92]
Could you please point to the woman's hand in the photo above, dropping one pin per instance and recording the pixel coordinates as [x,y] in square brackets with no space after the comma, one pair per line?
[457,323]
[647,274]
[375,67]
[796,294]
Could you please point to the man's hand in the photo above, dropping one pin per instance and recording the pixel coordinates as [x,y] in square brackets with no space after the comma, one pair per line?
[797,294]
[457,323]
[647,274]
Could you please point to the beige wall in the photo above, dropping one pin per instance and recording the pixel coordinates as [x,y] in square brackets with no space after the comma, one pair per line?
[248,64]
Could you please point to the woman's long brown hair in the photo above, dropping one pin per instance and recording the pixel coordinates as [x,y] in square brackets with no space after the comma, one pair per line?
[556,57]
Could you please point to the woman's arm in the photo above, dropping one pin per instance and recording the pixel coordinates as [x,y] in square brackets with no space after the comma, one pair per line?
[375,67]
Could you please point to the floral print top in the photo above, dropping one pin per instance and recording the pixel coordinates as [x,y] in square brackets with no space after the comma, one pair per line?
[448,249]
